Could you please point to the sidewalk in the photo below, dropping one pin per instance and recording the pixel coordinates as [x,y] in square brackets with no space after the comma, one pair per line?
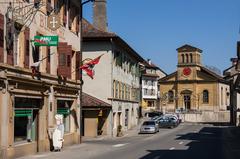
[85,148]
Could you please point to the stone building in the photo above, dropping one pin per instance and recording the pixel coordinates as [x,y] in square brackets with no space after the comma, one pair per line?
[29,98]
[194,88]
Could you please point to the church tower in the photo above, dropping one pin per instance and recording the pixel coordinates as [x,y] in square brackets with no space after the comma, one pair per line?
[189,60]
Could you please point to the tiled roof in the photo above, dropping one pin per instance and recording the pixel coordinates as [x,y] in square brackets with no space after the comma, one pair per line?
[90,101]
[188,48]
[89,31]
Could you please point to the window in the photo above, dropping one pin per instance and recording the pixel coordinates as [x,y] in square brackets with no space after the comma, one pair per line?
[116,89]
[1,37]
[113,88]
[187,58]
[170,96]
[221,96]
[205,96]
[25,119]
[123,90]
[149,83]
[145,91]
[191,58]
[182,58]
[63,107]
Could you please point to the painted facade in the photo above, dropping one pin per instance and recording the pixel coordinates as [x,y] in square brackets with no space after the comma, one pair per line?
[117,77]
[30,101]
[150,88]
[193,88]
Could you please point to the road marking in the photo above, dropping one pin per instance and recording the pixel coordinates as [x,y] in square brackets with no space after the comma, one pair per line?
[120,145]
[172,148]
[180,143]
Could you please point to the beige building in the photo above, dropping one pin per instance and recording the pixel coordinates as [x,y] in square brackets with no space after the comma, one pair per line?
[29,102]
[193,87]
[150,88]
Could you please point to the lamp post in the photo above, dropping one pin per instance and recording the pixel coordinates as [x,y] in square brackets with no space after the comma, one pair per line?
[80,71]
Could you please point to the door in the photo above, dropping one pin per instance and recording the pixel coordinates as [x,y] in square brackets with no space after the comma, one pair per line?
[187,101]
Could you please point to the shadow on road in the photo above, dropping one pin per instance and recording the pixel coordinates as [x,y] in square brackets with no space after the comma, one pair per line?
[208,143]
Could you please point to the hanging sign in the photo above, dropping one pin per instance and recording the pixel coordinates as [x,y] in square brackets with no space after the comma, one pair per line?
[45,40]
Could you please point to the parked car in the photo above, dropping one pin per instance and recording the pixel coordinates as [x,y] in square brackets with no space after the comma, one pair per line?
[153,114]
[149,126]
[167,122]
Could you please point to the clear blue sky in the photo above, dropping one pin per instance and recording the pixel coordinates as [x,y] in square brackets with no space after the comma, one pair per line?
[156,28]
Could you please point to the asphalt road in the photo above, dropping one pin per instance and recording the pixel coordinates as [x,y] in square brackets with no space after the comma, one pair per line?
[187,141]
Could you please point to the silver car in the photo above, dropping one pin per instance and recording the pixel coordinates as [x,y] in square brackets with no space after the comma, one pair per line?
[150,126]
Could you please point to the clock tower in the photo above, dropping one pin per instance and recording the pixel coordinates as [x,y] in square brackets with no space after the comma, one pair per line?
[189,61]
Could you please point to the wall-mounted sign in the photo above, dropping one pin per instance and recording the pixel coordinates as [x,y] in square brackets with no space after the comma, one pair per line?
[53,22]
[45,40]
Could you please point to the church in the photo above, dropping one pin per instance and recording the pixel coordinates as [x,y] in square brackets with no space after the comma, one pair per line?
[193,87]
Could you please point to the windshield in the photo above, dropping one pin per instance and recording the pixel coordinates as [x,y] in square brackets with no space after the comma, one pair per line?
[149,123]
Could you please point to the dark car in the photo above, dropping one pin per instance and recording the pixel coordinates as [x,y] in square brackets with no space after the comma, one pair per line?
[167,122]
[153,114]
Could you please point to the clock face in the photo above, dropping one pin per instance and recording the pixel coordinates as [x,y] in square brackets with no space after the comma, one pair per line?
[187,71]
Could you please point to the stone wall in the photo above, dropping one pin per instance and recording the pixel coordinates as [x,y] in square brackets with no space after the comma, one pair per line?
[207,116]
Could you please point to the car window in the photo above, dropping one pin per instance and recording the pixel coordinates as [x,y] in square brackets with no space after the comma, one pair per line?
[149,123]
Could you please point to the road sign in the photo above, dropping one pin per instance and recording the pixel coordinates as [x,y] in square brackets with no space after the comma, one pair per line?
[53,22]
[46,40]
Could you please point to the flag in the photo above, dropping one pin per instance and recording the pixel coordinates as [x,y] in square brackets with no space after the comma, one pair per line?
[34,68]
[88,67]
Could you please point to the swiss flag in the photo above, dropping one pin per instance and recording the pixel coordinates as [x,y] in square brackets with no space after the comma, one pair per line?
[88,67]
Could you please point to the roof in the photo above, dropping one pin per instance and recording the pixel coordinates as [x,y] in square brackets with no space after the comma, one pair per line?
[152,65]
[188,48]
[91,33]
[90,101]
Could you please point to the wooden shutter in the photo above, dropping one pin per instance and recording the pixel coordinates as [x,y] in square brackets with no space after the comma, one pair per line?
[27,45]
[1,38]
[64,60]
[48,59]
[77,65]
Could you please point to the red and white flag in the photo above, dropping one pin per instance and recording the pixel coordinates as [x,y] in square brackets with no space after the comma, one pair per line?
[88,67]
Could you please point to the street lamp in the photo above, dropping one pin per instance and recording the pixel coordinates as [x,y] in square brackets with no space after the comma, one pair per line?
[80,70]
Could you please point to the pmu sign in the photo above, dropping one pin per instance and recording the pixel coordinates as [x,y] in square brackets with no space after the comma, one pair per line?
[46,40]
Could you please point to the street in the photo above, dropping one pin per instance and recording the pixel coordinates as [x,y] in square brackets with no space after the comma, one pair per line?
[187,141]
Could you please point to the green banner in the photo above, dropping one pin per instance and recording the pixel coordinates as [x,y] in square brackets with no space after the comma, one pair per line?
[45,40]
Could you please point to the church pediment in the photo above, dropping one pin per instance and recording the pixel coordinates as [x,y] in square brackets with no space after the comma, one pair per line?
[170,77]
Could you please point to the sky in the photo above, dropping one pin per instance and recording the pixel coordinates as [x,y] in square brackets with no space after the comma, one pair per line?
[156,28]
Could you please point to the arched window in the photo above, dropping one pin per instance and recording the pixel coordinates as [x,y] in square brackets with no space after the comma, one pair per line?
[205,96]
[187,58]
[191,58]
[170,96]
[182,58]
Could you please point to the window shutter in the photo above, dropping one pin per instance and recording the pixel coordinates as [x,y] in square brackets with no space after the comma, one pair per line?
[26,54]
[1,37]
[77,65]
[64,60]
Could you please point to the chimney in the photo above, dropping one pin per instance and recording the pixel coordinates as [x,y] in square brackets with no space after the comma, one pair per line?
[100,14]
[149,61]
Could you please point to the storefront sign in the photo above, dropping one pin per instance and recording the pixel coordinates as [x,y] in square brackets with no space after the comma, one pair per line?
[46,40]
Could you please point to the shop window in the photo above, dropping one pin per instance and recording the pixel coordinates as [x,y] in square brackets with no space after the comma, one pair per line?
[25,119]
[63,107]
[205,96]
